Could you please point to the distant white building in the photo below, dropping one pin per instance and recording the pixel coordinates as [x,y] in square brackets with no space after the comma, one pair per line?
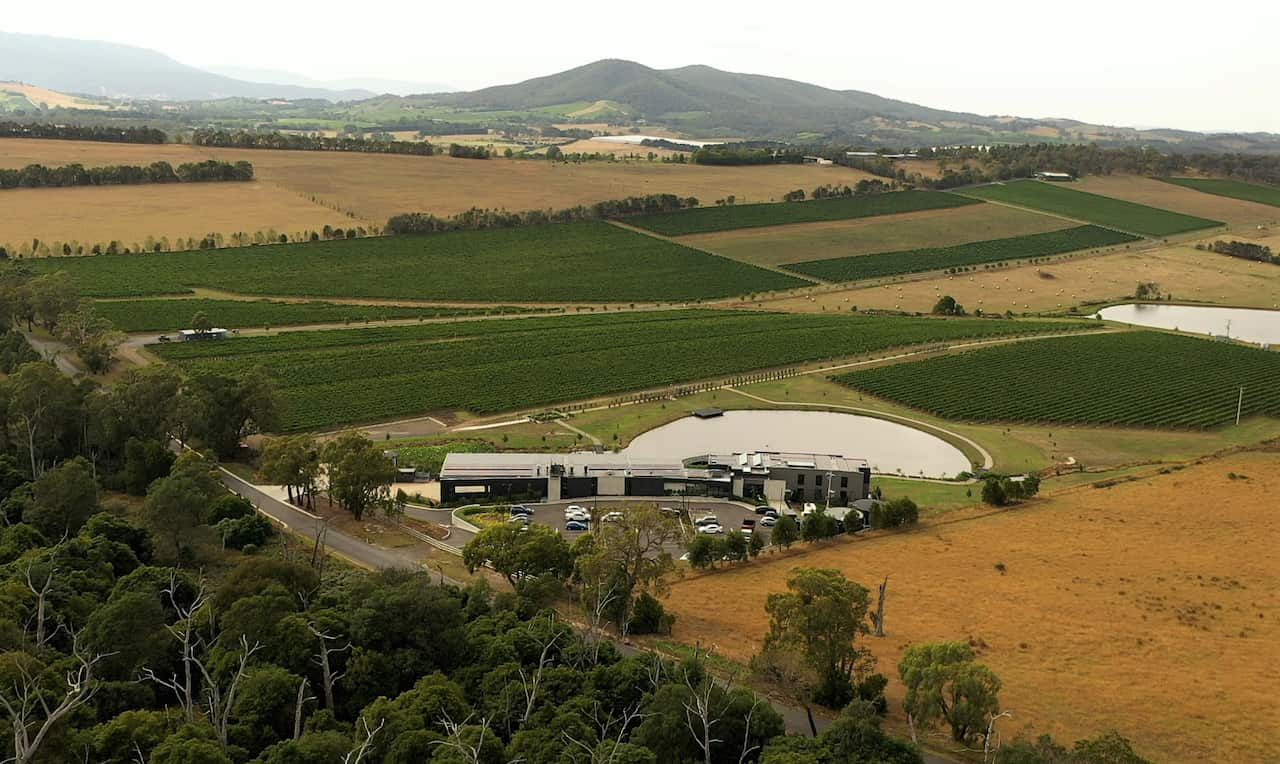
[1057,176]
[189,335]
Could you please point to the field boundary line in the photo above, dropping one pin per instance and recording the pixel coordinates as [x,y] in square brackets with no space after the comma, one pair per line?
[762,266]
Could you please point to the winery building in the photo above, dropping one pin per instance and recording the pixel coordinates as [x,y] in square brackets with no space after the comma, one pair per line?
[773,476]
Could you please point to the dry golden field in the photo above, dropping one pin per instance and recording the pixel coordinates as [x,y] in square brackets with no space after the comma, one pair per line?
[373,187]
[129,214]
[592,146]
[927,228]
[1182,271]
[1151,607]
[51,98]
[1236,213]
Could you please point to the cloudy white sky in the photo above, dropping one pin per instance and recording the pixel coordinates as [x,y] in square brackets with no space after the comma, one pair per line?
[1201,66]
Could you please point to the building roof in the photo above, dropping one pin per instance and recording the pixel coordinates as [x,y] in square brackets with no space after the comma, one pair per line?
[466,466]
[762,462]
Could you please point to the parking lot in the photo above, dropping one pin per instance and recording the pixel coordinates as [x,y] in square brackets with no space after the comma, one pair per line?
[731,514]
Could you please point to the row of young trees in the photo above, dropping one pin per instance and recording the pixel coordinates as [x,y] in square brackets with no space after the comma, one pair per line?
[42,248]
[39,176]
[476,219]
[247,139]
[103,133]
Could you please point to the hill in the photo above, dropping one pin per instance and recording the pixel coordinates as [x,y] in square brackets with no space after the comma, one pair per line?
[108,69]
[713,103]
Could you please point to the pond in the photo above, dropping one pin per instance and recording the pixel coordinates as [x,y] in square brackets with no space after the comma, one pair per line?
[889,448]
[1248,324]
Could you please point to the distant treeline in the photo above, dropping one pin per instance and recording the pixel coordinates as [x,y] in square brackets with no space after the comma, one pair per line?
[246,139]
[107,134]
[468,152]
[476,219]
[984,165]
[1246,250]
[39,176]
[743,154]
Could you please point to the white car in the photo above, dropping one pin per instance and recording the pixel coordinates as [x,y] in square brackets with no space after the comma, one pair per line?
[768,522]
[710,528]
[581,516]
[611,517]
[707,520]
[810,508]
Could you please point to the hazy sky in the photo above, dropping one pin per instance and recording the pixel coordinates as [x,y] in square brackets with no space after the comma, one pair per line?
[1201,66]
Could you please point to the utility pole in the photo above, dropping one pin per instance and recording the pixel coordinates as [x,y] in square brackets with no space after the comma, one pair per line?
[1239,405]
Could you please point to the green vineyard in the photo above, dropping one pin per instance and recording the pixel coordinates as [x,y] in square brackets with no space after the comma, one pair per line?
[729,217]
[588,261]
[1103,210]
[880,264]
[1235,189]
[168,315]
[1131,379]
[329,378]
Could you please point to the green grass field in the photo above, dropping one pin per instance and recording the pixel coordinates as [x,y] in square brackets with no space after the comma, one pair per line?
[587,261]
[171,314]
[937,258]
[1134,379]
[707,219]
[339,376]
[1235,189]
[1103,210]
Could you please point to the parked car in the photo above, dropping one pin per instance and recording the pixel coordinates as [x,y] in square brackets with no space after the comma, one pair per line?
[575,525]
[707,520]
[671,511]
[748,526]
[574,508]
[611,517]
[520,509]
[771,513]
[763,509]
[581,516]
[768,521]
[810,508]
[163,338]
[710,528]
[522,519]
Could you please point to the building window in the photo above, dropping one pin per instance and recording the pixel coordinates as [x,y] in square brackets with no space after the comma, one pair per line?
[799,479]
[844,481]
[817,481]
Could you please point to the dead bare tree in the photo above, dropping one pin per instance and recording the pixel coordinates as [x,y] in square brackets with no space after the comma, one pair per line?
[186,631]
[327,677]
[747,748]
[877,617]
[607,727]
[357,754]
[41,593]
[28,708]
[529,684]
[453,737]
[219,702]
[597,597]
[988,752]
[318,553]
[301,701]
[701,711]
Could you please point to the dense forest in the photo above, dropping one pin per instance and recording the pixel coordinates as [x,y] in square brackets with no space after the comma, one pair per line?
[475,219]
[1245,250]
[39,176]
[247,139]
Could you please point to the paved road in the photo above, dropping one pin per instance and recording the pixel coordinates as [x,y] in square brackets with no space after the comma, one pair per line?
[53,349]
[307,525]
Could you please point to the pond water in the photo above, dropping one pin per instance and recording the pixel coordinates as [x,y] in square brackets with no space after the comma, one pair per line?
[1248,324]
[889,447]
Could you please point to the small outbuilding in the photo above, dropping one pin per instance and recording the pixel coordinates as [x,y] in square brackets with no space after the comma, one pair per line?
[1055,176]
[190,335]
